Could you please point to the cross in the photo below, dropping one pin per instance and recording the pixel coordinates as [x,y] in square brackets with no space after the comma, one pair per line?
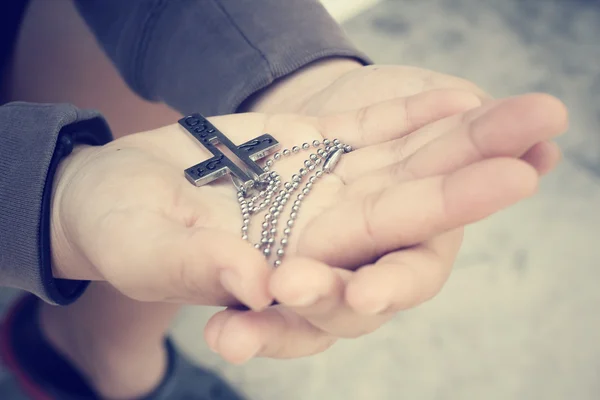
[219,165]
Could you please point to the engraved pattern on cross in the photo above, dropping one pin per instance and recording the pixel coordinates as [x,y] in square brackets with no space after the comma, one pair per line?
[219,165]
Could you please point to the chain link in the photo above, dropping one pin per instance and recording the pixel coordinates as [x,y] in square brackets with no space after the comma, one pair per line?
[275,196]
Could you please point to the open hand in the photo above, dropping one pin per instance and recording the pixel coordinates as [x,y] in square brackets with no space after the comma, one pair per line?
[407,192]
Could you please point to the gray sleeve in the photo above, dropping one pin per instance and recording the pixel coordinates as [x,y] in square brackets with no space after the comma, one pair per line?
[34,138]
[209,56]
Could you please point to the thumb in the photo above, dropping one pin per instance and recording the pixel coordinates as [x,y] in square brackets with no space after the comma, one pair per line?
[277,332]
[150,257]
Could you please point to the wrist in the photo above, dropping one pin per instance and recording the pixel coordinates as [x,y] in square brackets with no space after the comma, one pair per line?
[68,261]
[290,94]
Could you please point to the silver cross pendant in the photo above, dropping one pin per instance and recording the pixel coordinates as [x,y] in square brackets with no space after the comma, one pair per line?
[219,165]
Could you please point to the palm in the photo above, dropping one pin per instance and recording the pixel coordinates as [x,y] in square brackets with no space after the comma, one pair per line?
[158,192]
[151,192]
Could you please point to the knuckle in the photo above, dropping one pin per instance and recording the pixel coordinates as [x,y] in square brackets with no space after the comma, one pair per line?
[369,213]
[401,171]
[362,118]
[398,148]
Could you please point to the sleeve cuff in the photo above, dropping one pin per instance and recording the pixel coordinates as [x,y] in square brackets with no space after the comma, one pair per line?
[92,132]
[211,58]
[35,139]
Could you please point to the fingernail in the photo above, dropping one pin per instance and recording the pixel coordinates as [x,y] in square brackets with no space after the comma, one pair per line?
[371,309]
[484,109]
[230,281]
[305,301]
[213,331]
[247,357]
[377,309]
[238,341]
[241,348]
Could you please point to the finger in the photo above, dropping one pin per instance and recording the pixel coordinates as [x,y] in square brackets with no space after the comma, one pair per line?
[508,129]
[438,80]
[400,81]
[376,220]
[543,156]
[405,278]
[239,336]
[190,265]
[505,128]
[361,302]
[395,118]
[315,291]
[304,282]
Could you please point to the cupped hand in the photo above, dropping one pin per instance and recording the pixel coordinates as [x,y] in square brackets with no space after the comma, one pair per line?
[389,221]
[124,212]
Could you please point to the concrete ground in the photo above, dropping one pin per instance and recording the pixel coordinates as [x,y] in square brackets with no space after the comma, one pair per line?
[518,318]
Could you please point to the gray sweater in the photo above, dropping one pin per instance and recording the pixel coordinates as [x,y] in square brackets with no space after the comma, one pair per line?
[205,56]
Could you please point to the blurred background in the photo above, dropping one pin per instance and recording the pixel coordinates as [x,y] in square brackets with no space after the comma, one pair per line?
[519,317]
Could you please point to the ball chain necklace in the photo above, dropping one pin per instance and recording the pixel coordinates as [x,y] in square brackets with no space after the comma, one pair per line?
[260,188]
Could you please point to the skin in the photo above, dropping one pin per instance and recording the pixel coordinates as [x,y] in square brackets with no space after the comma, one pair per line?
[125,214]
[456,110]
